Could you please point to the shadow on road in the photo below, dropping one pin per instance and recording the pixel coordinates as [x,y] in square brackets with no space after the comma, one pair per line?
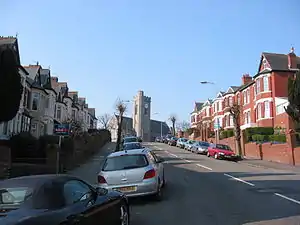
[195,196]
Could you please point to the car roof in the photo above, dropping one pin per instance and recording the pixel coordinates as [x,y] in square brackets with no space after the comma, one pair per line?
[129,152]
[130,143]
[32,181]
[130,137]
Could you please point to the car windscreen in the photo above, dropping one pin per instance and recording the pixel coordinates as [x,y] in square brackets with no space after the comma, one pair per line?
[125,162]
[184,140]
[14,196]
[223,147]
[131,146]
[133,139]
[205,144]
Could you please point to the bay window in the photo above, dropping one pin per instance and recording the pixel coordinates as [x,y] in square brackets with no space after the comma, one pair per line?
[267,109]
[259,111]
[35,101]
[257,86]
[266,83]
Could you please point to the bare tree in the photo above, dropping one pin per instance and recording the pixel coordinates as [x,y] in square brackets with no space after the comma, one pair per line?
[183,125]
[235,111]
[173,119]
[75,127]
[120,111]
[104,121]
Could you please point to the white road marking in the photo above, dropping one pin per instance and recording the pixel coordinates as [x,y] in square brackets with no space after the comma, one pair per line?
[173,155]
[205,167]
[287,198]
[187,160]
[238,179]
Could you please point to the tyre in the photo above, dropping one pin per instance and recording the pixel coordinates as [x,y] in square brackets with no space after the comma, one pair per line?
[207,154]
[158,195]
[216,156]
[124,215]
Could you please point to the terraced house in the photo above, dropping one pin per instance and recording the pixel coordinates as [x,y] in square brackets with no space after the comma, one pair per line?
[262,99]
[45,102]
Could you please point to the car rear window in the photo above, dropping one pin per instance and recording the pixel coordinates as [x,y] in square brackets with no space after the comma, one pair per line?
[125,162]
[131,146]
[130,140]
[223,147]
[205,144]
[14,196]
[183,139]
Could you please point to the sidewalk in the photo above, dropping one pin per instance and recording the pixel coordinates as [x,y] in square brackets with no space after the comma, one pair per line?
[89,170]
[269,165]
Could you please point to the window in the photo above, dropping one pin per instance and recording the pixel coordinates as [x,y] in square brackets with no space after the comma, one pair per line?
[245,97]
[35,101]
[76,191]
[258,111]
[230,120]
[266,83]
[58,113]
[207,111]
[248,96]
[280,108]
[267,110]
[33,127]
[254,91]
[14,195]
[220,105]
[146,110]
[135,109]
[257,86]
[125,162]
[73,114]
[239,99]
[230,101]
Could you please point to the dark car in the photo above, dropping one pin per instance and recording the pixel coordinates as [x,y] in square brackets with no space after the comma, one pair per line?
[167,138]
[130,139]
[132,146]
[59,199]
[173,141]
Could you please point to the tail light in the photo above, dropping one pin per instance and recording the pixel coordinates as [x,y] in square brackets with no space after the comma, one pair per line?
[101,180]
[149,174]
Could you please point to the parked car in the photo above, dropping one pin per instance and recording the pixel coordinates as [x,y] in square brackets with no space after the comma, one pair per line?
[135,173]
[132,146]
[188,145]
[173,141]
[168,138]
[130,139]
[220,151]
[181,142]
[59,199]
[158,139]
[200,147]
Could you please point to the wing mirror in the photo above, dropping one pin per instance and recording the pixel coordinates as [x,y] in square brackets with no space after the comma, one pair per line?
[101,191]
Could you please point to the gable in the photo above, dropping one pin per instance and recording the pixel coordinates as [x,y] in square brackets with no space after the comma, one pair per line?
[219,95]
[264,64]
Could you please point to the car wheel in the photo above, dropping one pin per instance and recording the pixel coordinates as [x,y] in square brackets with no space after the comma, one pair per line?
[158,195]
[208,155]
[216,156]
[124,217]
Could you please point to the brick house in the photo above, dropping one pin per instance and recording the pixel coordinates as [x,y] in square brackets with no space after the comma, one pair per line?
[262,97]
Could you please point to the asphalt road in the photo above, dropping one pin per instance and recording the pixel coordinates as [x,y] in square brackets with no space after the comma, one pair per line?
[205,191]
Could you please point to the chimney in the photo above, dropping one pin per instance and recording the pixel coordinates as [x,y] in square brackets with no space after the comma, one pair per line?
[246,79]
[292,59]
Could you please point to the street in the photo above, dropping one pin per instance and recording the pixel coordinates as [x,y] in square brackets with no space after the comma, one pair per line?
[202,190]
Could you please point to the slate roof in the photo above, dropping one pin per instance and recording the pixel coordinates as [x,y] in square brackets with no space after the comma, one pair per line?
[197,107]
[7,40]
[278,61]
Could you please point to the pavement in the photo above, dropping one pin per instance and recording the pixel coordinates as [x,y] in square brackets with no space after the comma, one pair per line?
[205,191]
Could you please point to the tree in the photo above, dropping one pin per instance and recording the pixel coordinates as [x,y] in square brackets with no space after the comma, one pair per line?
[75,127]
[173,120]
[293,109]
[121,109]
[183,126]
[235,111]
[11,88]
[104,121]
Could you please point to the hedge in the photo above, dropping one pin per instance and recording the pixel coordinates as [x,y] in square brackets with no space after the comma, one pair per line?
[226,133]
[254,131]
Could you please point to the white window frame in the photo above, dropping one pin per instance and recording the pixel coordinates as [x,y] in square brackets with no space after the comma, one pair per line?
[245,97]
[220,106]
[266,83]
[230,101]
[248,117]
[36,96]
[259,111]
[230,120]
[267,109]
[257,86]
[248,96]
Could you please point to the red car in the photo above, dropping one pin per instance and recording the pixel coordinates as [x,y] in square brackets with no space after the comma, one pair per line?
[220,151]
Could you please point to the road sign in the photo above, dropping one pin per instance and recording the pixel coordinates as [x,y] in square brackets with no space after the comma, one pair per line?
[62,129]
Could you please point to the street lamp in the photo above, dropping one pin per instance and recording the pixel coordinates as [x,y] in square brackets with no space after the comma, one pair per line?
[161,124]
[217,125]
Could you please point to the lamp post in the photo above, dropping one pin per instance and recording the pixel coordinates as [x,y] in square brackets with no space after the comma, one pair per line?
[217,124]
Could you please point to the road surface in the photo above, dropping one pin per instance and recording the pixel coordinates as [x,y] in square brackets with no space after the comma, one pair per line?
[205,191]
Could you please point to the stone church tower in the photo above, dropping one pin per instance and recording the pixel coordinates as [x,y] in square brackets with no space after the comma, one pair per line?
[141,116]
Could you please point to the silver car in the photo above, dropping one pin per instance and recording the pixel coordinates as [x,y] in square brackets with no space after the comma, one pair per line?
[136,173]
[200,147]
[188,145]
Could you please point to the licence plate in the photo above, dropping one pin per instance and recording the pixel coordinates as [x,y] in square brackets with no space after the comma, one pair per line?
[126,189]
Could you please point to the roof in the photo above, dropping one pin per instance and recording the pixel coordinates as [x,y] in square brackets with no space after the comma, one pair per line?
[197,107]
[278,61]
[129,152]
[32,180]
[7,40]
[129,143]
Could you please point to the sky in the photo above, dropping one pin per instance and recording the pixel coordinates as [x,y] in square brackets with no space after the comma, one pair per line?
[108,50]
